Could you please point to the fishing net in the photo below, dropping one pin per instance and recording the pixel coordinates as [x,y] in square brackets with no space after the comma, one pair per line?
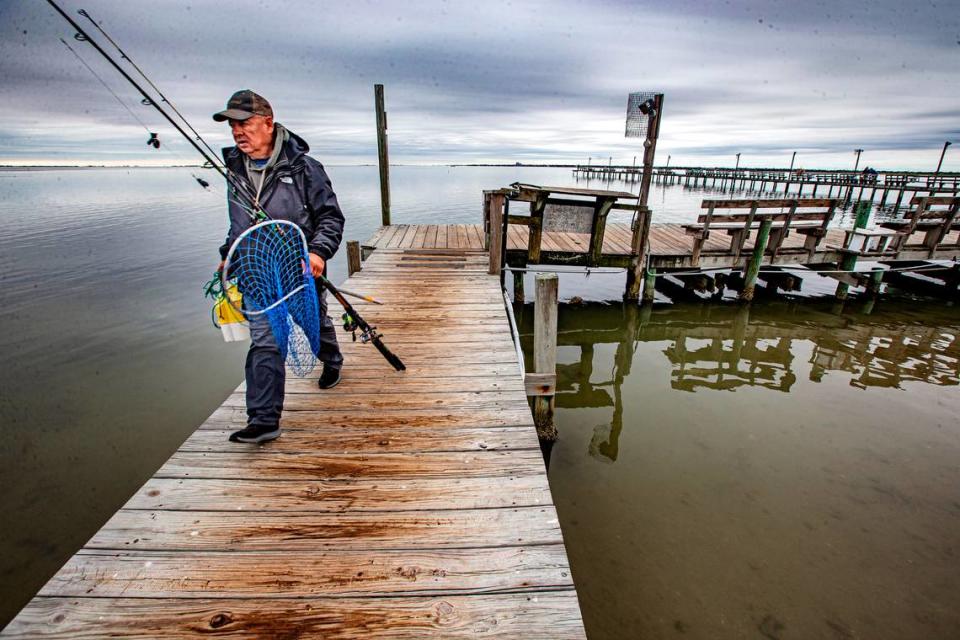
[268,265]
[639,106]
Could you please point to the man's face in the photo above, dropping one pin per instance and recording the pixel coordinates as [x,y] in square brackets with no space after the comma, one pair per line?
[254,136]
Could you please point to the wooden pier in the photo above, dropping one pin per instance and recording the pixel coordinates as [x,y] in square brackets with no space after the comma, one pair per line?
[400,505]
[885,188]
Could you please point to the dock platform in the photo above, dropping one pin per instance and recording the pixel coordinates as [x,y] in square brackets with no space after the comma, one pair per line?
[400,505]
[670,246]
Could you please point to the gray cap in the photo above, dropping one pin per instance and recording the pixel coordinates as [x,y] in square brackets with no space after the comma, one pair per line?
[244,104]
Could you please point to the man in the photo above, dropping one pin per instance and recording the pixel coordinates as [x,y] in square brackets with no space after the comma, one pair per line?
[289,185]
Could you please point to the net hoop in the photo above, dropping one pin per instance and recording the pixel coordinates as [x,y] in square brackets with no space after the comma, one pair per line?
[226,264]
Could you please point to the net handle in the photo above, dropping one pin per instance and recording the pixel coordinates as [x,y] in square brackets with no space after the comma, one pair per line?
[233,248]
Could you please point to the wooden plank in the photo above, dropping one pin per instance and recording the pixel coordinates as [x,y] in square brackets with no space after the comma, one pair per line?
[420,236]
[407,494]
[213,438]
[372,402]
[543,616]
[154,530]
[112,574]
[260,462]
[389,418]
[768,203]
[476,236]
[398,383]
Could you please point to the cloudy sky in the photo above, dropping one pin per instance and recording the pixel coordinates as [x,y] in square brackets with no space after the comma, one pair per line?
[498,81]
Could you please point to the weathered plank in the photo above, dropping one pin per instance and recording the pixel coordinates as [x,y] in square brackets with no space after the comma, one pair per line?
[352,439]
[439,418]
[378,494]
[155,530]
[410,618]
[261,462]
[112,574]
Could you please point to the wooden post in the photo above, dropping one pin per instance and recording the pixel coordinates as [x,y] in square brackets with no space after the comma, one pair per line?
[650,286]
[518,294]
[383,157]
[545,350]
[753,269]
[638,249]
[353,257]
[876,279]
[496,234]
[849,260]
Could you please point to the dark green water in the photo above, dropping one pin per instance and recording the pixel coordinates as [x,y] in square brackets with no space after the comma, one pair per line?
[783,472]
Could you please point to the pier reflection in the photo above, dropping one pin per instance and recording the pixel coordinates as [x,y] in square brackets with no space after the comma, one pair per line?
[725,348]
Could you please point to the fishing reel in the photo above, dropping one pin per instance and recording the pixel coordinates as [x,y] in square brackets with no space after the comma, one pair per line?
[350,325]
[366,335]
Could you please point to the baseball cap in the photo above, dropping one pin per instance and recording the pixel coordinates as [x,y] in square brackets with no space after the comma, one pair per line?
[244,104]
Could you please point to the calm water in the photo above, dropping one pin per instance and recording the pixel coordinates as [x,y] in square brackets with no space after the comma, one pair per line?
[788,471]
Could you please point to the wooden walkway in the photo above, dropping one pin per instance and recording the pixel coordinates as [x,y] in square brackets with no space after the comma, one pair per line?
[670,246]
[400,505]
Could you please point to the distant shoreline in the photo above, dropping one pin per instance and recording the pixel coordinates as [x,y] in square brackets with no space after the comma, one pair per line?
[46,167]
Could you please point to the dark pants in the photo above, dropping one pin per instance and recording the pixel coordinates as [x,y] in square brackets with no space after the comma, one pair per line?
[265,372]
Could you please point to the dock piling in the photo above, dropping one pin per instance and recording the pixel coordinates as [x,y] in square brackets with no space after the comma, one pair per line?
[545,350]
[650,286]
[753,269]
[849,260]
[383,156]
[353,257]
[496,234]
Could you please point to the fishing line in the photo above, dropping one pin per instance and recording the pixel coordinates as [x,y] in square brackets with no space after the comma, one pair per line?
[143,75]
[258,215]
[107,87]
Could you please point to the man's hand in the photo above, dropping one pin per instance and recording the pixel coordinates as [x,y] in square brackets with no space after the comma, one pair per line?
[316,265]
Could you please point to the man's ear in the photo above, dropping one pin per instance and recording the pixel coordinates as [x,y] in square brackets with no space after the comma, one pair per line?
[269,122]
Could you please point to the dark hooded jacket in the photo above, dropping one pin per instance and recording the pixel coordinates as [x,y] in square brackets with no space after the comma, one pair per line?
[297,189]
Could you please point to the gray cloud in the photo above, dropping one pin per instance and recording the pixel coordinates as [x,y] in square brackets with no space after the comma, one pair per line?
[502,81]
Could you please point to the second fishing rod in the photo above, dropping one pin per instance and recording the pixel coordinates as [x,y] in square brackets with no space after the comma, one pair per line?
[239,186]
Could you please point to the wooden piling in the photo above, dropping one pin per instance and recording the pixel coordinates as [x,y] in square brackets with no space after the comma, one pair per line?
[638,249]
[496,233]
[545,350]
[383,157]
[650,286]
[353,257]
[753,269]
[518,293]
[876,280]
[849,260]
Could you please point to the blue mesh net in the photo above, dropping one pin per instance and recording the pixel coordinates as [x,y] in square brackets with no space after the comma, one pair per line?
[268,264]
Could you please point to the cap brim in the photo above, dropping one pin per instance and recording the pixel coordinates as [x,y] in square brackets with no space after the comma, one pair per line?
[232,114]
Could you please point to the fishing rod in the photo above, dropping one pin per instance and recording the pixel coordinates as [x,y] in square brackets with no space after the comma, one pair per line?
[151,101]
[123,54]
[257,213]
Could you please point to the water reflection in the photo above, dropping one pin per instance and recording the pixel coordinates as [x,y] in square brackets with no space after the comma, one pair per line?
[725,348]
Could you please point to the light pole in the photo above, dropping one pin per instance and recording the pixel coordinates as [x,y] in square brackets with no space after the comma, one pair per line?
[857,163]
[792,158]
[738,163]
[943,153]
[668,161]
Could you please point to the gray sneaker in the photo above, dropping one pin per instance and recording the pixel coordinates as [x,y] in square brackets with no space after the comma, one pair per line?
[256,433]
